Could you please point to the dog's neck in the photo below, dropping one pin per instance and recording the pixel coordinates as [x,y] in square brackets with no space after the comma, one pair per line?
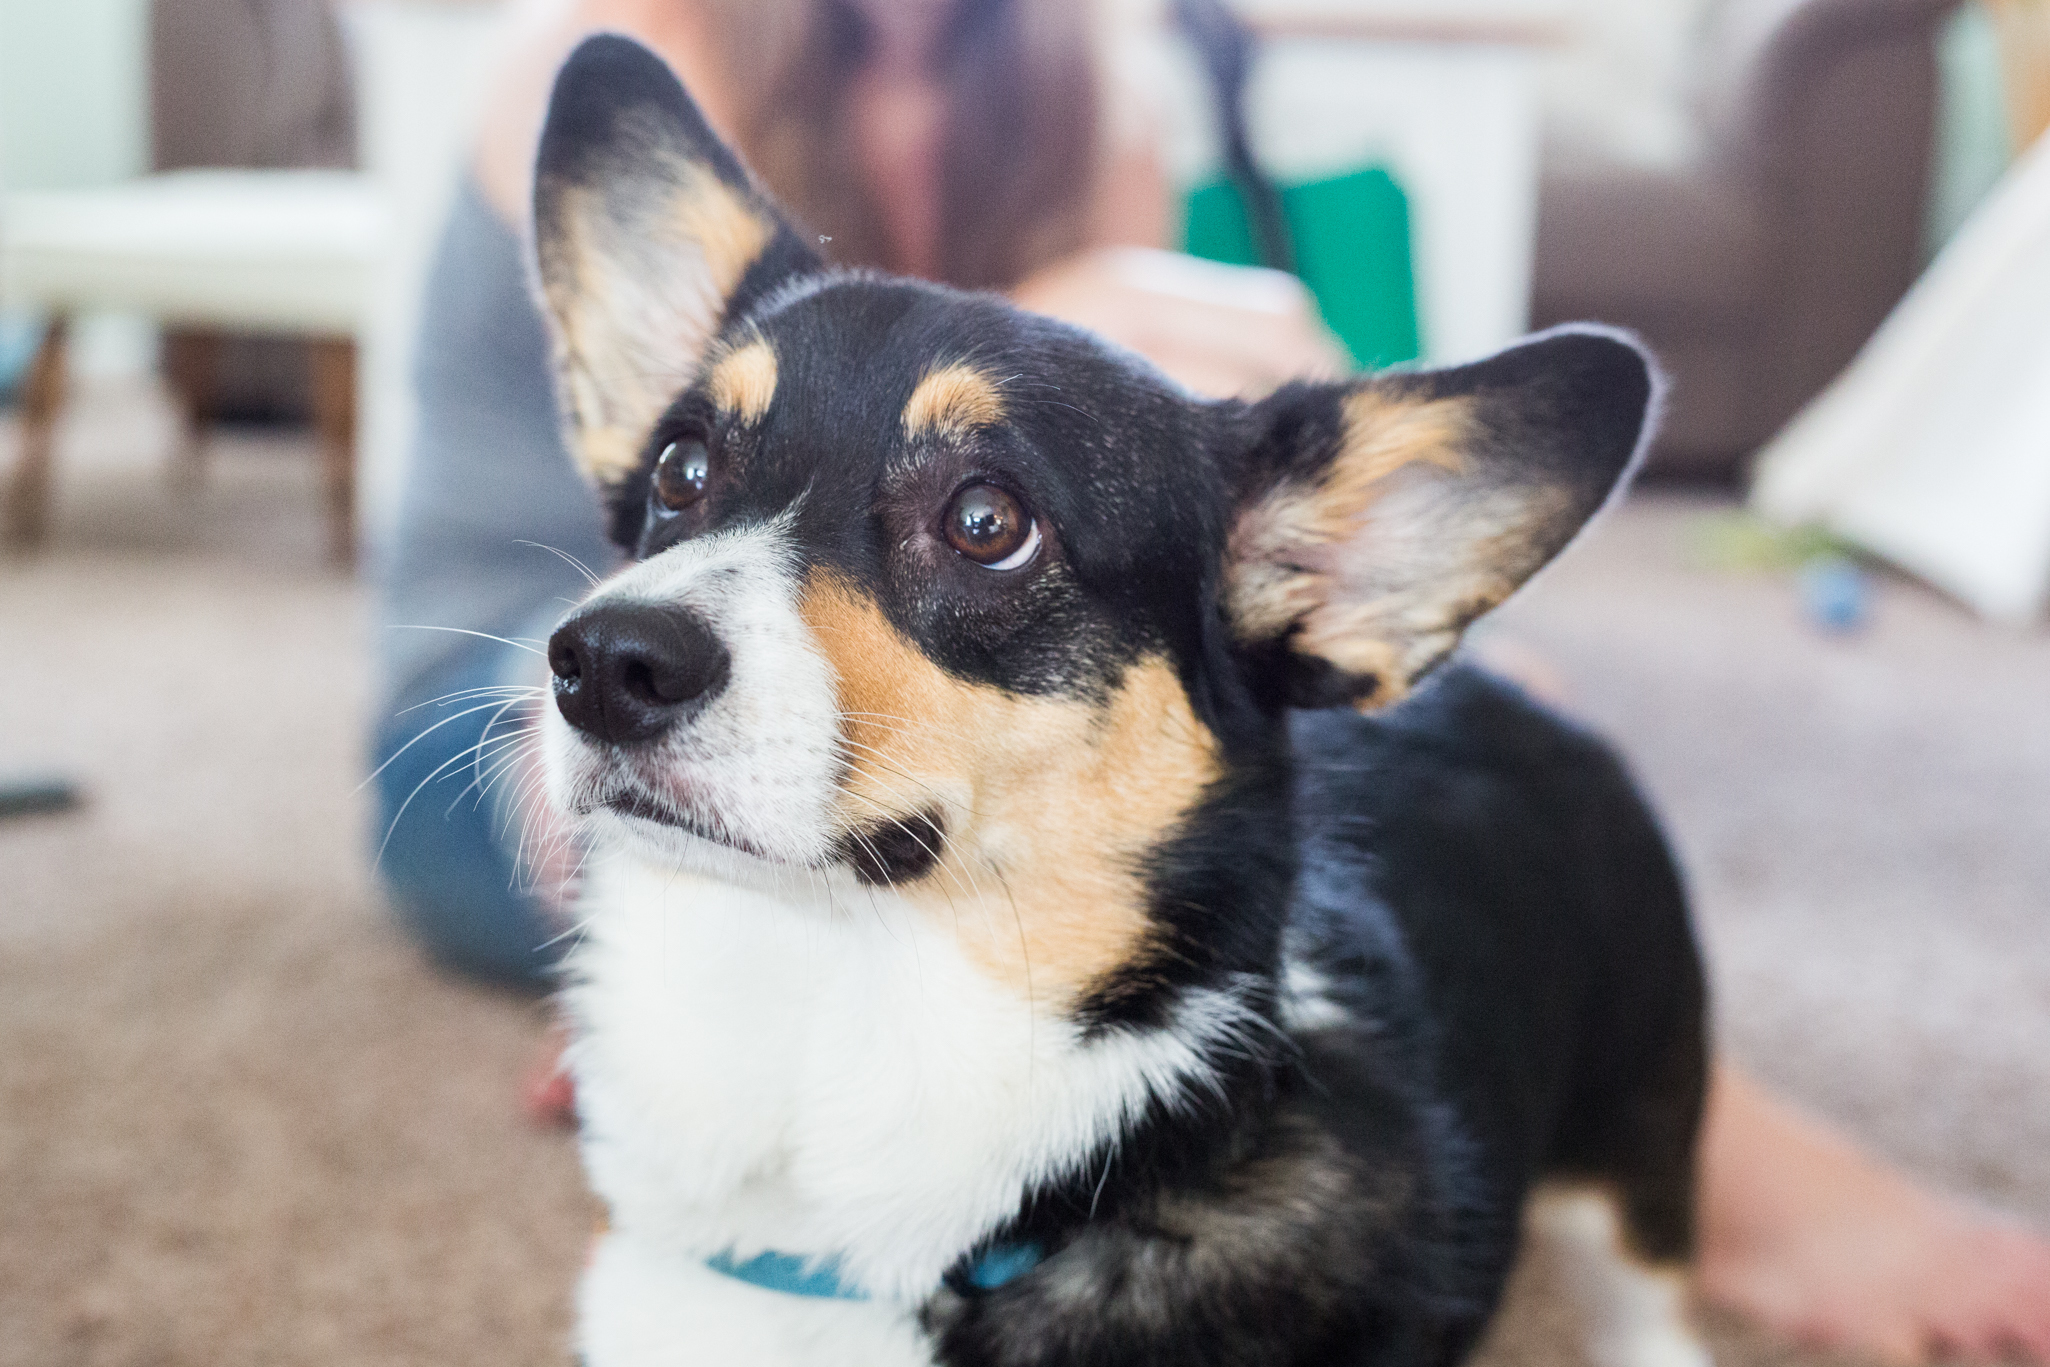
[826,1072]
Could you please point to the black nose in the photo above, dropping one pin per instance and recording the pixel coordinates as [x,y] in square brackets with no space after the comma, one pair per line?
[627,672]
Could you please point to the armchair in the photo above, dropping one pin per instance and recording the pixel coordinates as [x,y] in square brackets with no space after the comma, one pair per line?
[1758,267]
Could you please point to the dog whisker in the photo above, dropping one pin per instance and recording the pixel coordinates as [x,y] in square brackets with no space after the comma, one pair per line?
[426,732]
[486,690]
[882,759]
[579,566]
[529,645]
[939,856]
[437,772]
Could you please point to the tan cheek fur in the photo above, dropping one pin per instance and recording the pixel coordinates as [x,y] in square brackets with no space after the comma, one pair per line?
[1050,804]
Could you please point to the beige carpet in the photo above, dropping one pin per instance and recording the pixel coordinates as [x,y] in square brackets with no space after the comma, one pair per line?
[241,1123]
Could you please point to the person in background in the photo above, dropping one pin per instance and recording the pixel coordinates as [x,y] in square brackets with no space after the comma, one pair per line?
[997,144]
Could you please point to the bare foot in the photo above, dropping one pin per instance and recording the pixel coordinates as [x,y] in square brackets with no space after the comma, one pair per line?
[1807,1235]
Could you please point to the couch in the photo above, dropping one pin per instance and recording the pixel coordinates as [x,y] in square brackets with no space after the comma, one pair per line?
[245,83]
[1759,264]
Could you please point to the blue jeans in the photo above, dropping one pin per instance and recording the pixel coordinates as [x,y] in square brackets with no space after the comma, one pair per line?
[448,842]
[493,526]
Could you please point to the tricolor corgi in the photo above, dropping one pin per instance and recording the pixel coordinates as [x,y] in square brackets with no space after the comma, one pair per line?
[1047,903]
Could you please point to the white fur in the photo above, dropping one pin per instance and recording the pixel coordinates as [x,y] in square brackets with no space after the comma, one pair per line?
[759,763]
[650,1307]
[1637,1314]
[1306,1003]
[771,1056]
[822,1072]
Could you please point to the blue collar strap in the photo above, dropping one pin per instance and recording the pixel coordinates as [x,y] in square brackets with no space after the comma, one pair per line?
[789,1274]
[795,1276]
[1002,1263]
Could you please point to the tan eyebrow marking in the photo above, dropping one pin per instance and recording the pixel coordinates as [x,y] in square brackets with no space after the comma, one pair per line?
[744,380]
[954,399]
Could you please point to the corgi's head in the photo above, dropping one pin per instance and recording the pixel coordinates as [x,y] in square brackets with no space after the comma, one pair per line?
[932,593]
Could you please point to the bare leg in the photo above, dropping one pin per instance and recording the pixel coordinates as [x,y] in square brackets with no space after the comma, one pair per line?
[1808,1235]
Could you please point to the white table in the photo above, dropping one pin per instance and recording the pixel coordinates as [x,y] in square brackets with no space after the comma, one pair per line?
[256,251]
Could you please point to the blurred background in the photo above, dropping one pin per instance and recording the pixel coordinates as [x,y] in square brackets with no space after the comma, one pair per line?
[243,1120]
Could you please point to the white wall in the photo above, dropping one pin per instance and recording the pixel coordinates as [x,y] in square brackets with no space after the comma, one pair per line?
[1621,86]
[74,92]
[74,110]
[1617,86]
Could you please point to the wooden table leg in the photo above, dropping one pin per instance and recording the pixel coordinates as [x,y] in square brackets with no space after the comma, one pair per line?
[192,362]
[42,394]
[334,419]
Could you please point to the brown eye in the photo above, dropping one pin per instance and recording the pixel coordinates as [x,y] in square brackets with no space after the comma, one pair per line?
[682,473]
[990,527]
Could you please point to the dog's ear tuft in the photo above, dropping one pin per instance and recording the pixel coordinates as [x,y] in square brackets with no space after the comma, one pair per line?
[1378,518]
[648,234]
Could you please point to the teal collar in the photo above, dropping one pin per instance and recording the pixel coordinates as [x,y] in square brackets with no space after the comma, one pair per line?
[790,1274]
[795,1276]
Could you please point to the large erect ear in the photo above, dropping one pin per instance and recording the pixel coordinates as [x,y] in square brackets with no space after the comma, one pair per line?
[649,233]
[1377,519]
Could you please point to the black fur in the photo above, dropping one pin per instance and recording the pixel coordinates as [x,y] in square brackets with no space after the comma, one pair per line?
[1504,935]
[1501,924]
[896,851]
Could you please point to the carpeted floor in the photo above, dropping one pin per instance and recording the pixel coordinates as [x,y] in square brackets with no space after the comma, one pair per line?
[240,1122]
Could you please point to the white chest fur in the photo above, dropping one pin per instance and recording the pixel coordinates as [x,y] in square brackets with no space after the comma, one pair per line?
[823,1072]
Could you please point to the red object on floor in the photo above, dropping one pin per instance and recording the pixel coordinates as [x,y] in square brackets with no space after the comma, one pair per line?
[550,1092]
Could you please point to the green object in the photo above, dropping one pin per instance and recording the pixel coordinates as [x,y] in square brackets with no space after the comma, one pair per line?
[1745,542]
[1352,247]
